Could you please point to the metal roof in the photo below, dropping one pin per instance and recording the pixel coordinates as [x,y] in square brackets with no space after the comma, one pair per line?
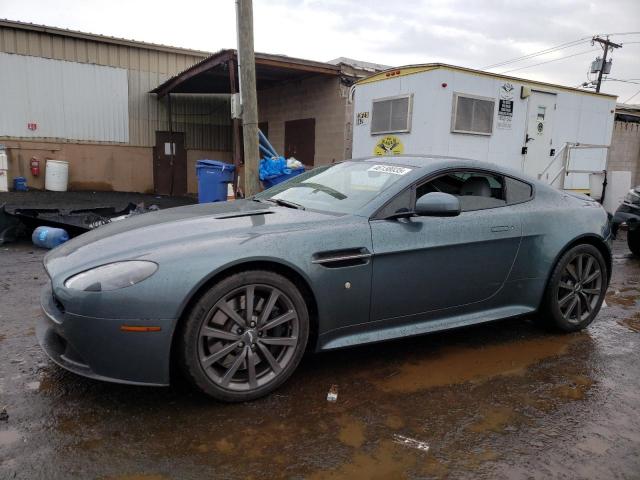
[33,27]
[211,75]
[427,67]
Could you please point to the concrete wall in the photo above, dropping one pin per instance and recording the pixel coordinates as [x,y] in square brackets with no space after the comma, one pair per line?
[624,154]
[322,98]
[100,167]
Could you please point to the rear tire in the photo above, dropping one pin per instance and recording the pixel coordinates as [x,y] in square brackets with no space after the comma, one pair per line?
[245,336]
[633,240]
[576,289]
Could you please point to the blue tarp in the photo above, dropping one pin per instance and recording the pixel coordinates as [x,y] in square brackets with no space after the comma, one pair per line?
[273,167]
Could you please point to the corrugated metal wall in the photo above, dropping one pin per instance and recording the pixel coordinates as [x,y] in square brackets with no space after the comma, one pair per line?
[59,99]
[146,69]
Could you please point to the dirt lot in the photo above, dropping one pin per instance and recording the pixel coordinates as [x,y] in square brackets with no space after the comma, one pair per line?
[505,400]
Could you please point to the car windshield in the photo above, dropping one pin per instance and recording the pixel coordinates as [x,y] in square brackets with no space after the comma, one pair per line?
[340,188]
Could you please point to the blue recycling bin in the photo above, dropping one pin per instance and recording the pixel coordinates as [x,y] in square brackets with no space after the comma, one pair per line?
[214,177]
[20,184]
[270,182]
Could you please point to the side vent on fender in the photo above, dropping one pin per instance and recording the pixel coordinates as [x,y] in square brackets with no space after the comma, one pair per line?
[349,257]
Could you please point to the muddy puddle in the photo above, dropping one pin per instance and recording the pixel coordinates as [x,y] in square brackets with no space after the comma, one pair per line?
[453,365]
[632,323]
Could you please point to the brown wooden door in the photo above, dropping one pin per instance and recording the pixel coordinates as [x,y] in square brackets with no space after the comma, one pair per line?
[300,140]
[169,174]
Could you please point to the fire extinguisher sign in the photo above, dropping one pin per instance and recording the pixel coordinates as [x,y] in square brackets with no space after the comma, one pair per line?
[32,126]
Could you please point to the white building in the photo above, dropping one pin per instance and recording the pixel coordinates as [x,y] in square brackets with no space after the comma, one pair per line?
[547,131]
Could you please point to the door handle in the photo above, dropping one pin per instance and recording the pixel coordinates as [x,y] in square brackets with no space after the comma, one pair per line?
[502,228]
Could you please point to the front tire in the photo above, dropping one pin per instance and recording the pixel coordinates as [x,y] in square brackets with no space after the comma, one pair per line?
[245,336]
[633,240]
[576,289]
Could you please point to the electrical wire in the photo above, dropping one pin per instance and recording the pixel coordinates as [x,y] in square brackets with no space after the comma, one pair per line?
[541,52]
[549,61]
[556,48]
[619,80]
[622,33]
[632,96]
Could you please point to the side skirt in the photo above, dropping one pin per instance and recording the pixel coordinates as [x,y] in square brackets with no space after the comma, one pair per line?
[333,340]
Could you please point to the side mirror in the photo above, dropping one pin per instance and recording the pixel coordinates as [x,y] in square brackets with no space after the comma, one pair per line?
[437,204]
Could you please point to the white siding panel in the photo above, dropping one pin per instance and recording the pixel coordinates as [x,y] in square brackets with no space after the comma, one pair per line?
[67,100]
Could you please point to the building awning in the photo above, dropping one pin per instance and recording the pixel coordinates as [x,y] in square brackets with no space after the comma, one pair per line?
[212,74]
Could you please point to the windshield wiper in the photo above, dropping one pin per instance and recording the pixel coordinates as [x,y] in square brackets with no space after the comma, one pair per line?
[322,188]
[284,203]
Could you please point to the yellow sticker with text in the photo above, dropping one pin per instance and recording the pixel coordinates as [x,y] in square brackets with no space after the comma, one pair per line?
[389,145]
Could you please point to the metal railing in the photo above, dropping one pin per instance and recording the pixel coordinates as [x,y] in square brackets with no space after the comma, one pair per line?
[564,154]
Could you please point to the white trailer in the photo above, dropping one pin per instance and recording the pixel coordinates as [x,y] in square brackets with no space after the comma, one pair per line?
[558,134]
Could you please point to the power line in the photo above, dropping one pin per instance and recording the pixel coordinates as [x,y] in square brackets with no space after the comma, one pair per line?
[549,61]
[619,80]
[541,52]
[555,48]
[622,33]
[631,96]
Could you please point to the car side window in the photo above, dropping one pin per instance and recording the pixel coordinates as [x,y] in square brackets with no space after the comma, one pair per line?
[476,190]
[400,203]
[518,191]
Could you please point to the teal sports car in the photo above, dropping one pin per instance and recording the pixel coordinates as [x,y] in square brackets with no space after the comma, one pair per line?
[351,253]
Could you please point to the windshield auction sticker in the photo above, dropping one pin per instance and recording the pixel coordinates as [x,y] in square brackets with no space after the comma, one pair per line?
[389,169]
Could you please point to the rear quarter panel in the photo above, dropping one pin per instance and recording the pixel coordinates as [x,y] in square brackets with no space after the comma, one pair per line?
[550,223]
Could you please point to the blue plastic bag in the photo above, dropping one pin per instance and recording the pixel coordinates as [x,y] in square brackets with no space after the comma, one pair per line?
[273,167]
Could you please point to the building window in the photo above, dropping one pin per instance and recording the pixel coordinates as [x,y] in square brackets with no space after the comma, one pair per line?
[391,115]
[472,114]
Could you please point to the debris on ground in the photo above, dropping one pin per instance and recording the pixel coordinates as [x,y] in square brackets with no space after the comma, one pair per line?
[4,416]
[410,442]
[332,396]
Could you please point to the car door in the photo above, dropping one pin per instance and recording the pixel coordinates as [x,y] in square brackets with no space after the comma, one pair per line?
[424,264]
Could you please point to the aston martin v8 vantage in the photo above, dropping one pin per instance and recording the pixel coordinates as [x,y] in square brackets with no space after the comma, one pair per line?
[355,252]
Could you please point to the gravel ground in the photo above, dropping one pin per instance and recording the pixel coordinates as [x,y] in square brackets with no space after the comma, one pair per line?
[505,400]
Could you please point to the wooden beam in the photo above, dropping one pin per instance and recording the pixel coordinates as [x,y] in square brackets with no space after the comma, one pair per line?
[237,145]
[195,70]
[301,67]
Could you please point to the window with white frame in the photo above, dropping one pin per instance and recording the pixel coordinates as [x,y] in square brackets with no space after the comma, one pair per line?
[472,114]
[391,114]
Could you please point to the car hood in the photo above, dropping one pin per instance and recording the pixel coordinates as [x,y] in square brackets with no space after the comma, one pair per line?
[142,235]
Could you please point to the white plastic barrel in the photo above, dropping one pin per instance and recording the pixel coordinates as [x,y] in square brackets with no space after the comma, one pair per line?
[56,176]
[4,171]
[596,181]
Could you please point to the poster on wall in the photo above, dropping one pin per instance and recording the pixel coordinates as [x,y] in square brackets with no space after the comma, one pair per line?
[389,145]
[505,106]
[362,118]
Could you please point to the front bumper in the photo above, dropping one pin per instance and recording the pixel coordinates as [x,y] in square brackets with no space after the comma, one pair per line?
[97,348]
[628,214]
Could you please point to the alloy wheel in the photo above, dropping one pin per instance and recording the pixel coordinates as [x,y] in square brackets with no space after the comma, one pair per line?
[580,288]
[248,337]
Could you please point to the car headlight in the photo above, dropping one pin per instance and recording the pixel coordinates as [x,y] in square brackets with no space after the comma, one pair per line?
[632,197]
[112,276]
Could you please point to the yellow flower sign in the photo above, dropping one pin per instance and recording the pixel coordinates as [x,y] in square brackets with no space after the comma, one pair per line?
[389,145]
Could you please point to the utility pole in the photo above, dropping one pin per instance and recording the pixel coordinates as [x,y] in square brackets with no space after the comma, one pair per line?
[248,96]
[606,43]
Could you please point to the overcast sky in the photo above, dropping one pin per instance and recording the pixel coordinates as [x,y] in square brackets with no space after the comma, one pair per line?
[469,33]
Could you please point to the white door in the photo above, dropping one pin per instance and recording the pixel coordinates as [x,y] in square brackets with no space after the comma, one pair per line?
[539,141]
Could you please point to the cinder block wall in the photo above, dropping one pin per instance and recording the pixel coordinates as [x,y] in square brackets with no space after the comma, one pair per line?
[322,98]
[624,154]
